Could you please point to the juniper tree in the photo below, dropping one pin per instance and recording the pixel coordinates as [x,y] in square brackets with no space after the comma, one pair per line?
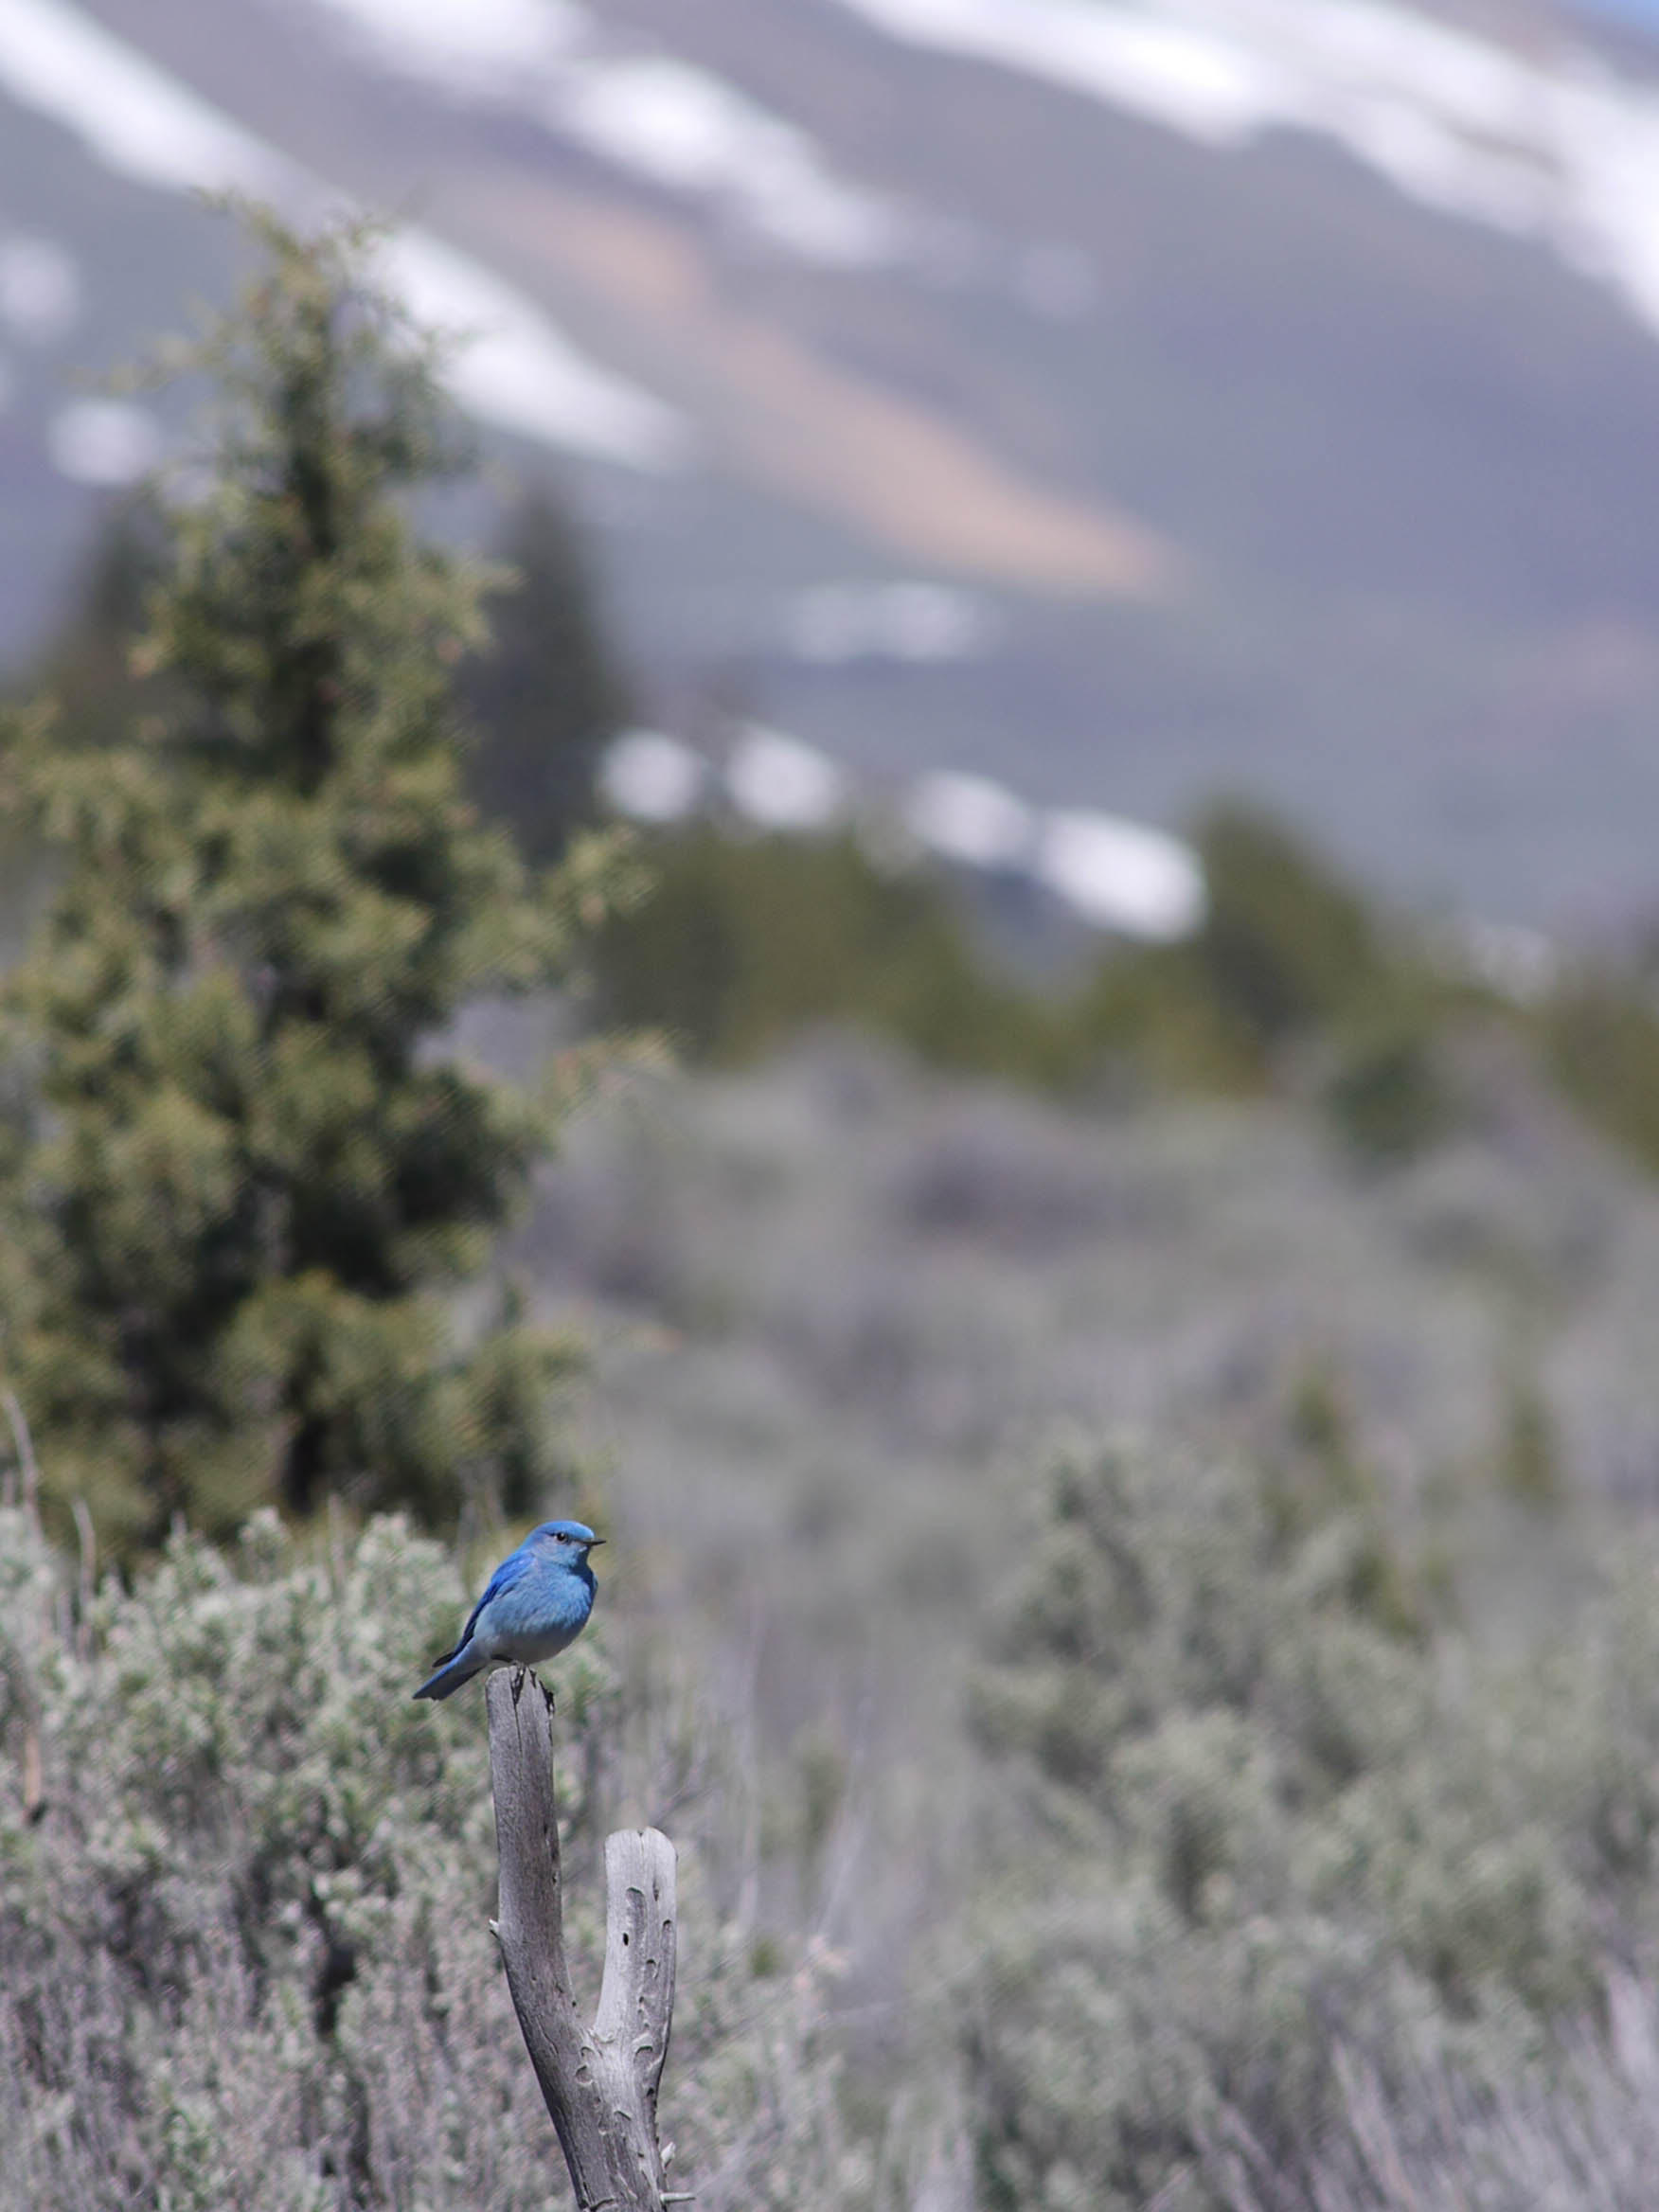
[251,1188]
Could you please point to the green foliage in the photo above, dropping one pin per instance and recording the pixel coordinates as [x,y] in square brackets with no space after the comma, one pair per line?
[1383,1094]
[1149,1019]
[1295,985]
[1274,1831]
[1291,955]
[1316,1478]
[1286,945]
[1602,1040]
[1291,970]
[548,692]
[251,1182]
[244,1889]
[744,940]
[1529,1465]
[86,668]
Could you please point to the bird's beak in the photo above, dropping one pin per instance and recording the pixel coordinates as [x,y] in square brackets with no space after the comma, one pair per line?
[595,1543]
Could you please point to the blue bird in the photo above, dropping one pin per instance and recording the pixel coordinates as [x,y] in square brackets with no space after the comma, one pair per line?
[535,1604]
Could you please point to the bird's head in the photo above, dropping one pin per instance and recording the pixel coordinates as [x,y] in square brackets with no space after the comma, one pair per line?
[565,1543]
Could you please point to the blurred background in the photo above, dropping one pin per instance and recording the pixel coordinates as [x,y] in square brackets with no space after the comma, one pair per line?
[1106,553]
[1123,403]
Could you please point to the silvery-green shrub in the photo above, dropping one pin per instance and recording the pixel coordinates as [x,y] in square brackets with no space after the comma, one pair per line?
[1252,1817]
[244,1886]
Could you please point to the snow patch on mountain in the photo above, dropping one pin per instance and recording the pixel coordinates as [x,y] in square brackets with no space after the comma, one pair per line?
[109,443]
[1564,152]
[650,776]
[131,116]
[40,289]
[1122,876]
[477,49]
[970,819]
[776,782]
[512,370]
[915,620]
[517,371]
[667,121]
[680,127]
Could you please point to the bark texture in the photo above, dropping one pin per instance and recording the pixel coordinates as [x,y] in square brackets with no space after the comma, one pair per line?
[600,2082]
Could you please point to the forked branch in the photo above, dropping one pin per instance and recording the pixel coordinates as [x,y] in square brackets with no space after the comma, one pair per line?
[600,2082]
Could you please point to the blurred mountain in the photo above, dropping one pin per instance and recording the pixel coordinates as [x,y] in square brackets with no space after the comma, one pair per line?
[1267,390]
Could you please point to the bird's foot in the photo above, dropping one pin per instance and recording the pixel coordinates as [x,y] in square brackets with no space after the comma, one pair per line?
[524,1674]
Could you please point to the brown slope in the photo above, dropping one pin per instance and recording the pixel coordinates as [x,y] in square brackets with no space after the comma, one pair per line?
[779,416]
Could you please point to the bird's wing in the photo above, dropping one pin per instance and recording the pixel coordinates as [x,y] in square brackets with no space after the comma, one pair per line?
[512,1569]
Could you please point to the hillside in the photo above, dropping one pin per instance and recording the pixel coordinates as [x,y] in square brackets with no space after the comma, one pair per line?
[1301,440]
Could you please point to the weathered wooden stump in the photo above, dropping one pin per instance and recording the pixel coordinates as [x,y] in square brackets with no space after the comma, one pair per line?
[600,2082]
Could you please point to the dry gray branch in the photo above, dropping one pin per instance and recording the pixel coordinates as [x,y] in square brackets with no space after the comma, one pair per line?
[24,1446]
[600,2083]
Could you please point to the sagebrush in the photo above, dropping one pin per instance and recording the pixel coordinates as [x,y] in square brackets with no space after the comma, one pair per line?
[244,1890]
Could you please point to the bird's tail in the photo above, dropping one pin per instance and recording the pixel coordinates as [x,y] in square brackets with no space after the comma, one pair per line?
[452,1670]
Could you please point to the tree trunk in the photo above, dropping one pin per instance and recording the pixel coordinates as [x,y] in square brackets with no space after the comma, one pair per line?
[600,2083]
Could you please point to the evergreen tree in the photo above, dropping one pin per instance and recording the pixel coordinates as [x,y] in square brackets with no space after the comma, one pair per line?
[86,668]
[250,1188]
[548,693]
